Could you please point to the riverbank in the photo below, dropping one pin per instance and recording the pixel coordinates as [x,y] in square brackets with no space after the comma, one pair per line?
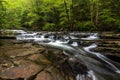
[19,61]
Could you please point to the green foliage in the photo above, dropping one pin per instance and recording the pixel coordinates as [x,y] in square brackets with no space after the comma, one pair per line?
[107,20]
[49,26]
[2,13]
[63,22]
[32,18]
[56,15]
[86,26]
[78,25]
[89,26]
[118,25]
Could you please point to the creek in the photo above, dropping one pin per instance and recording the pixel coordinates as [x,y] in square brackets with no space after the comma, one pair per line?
[99,66]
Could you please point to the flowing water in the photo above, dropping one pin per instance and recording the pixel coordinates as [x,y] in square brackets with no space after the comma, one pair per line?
[99,66]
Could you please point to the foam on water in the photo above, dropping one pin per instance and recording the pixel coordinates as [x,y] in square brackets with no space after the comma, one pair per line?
[92,37]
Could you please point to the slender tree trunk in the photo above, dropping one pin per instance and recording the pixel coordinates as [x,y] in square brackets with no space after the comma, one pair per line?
[66,9]
[54,16]
[72,16]
[91,10]
[97,13]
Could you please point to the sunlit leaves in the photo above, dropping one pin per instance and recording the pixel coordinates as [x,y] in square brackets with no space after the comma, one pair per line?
[43,14]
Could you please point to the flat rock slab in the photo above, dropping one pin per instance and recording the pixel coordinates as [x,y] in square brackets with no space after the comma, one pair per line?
[23,51]
[44,76]
[23,72]
[12,50]
[49,74]
[40,59]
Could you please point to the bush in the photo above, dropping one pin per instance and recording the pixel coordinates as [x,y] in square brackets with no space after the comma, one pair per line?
[49,26]
[118,25]
[64,24]
[78,25]
[89,26]
[107,20]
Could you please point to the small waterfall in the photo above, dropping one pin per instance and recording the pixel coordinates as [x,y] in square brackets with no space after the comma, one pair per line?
[105,59]
[92,37]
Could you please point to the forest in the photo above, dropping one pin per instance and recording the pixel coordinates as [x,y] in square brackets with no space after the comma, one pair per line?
[60,15]
[59,39]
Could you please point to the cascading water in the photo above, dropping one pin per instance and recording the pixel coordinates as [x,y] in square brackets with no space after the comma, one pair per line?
[106,60]
[92,37]
[99,67]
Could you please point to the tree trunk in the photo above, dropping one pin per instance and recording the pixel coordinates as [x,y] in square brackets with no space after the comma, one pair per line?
[97,13]
[66,9]
[91,10]
[72,16]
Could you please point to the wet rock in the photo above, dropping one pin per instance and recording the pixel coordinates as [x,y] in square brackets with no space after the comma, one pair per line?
[50,73]
[10,49]
[19,62]
[27,45]
[109,48]
[44,75]
[68,67]
[78,66]
[39,59]
[22,52]
[7,37]
[109,45]
[25,52]
[41,50]
[106,49]
[109,35]
[114,58]
[34,57]
[23,72]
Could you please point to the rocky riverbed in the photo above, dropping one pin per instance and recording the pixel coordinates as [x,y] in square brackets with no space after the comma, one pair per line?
[21,60]
[29,61]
